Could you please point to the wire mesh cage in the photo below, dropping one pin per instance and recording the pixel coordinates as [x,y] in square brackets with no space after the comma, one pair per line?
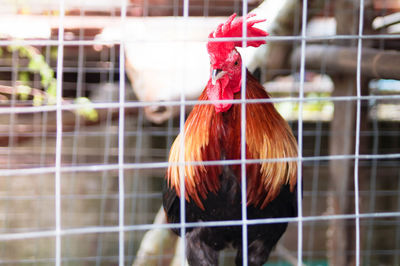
[93,94]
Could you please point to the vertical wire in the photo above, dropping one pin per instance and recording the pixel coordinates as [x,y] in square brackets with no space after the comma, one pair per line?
[42,141]
[169,140]
[14,73]
[186,8]
[182,167]
[316,168]
[11,135]
[206,8]
[300,136]
[60,62]
[182,178]
[77,129]
[44,121]
[135,207]
[80,80]
[175,11]
[121,123]
[107,145]
[357,140]
[397,234]
[314,189]
[104,183]
[243,143]
[107,151]
[37,120]
[372,189]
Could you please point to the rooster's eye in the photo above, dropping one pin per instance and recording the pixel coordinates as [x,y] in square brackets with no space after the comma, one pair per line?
[236,63]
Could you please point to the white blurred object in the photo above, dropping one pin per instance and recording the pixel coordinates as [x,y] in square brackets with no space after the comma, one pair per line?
[23,27]
[390,22]
[40,6]
[269,9]
[321,26]
[167,56]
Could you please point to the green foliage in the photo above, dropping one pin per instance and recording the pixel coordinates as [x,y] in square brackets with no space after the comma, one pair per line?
[87,110]
[54,52]
[315,109]
[24,91]
[38,64]
[23,77]
[38,100]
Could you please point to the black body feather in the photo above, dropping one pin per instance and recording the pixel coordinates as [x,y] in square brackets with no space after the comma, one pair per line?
[204,243]
[223,201]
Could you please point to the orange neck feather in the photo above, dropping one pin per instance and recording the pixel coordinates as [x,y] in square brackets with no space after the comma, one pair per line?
[209,135]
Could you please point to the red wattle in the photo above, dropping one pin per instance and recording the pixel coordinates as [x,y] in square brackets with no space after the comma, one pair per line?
[220,91]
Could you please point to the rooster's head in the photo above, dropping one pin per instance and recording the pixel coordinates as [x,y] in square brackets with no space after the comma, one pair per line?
[226,62]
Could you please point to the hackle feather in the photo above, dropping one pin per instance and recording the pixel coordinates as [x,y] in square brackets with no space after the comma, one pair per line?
[207,135]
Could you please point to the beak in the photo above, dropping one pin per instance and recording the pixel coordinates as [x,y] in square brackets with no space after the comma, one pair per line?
[216,74]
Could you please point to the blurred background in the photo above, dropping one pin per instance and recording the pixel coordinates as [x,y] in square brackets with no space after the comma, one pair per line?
[164,55]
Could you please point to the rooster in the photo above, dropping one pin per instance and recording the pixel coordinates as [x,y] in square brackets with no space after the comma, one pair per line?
[213,133]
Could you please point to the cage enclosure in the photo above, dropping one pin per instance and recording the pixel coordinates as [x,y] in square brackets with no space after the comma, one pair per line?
[93,94]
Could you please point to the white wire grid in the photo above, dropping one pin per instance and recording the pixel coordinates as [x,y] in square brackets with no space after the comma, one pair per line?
[121,166]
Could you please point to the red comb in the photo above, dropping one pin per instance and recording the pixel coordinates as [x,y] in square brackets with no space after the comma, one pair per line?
[234,28]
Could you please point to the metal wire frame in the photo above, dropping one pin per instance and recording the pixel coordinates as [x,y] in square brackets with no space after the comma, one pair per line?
[121,183]
[57,192]
[75,106]
[268,39]
[121,166]
[300,137]
[154,165]
[171,132]
[182,202]
[157,195]
[141,227]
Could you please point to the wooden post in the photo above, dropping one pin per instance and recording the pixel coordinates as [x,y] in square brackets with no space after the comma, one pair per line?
[341,233]
[376,63]
[341,142]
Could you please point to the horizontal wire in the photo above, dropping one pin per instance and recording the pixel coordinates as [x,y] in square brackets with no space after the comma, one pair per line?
[140,227]
[131,257]
[116,105]
[88,69]
[125,166]
[150,165]
[157,195]
[150,195]
[382,222]
[268,39]
[69,259]
[161,133]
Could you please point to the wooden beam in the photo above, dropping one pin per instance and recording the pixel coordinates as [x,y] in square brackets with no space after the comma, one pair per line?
[341,232]
[27,125]
[341,142]
[341,60]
